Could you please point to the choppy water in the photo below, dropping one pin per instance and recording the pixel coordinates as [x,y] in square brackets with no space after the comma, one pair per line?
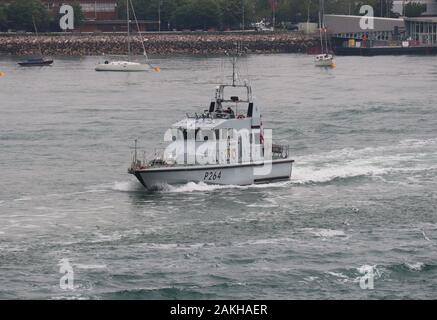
[363,194]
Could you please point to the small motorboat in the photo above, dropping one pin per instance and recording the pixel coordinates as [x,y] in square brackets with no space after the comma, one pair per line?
[36,62]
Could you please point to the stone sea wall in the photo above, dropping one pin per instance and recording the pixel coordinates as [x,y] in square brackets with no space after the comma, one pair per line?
[163,43]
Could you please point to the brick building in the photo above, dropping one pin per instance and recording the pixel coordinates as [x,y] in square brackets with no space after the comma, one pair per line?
[100,15]
[94,10]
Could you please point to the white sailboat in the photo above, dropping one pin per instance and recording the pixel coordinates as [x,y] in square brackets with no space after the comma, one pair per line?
[128,65]
[325,59]
[123,66]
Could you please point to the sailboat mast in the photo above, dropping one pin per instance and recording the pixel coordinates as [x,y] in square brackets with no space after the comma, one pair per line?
[139,30]
[233,71]
[128,31]
[324,27]
[37,36]
[320,31]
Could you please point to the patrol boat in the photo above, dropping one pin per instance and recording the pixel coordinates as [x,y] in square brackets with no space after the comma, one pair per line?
[224,145]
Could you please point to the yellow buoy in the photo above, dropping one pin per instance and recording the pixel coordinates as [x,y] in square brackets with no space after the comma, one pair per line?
[157,69]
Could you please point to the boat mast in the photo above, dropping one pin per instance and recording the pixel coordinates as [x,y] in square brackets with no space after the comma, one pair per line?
[128,31]
[139,30]
[324,28]
[320,25]
[37,36]
[233,71]
[136,154]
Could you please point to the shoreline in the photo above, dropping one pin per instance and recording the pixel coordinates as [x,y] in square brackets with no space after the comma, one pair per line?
[155,43]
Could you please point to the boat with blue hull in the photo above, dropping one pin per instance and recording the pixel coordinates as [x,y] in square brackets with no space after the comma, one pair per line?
[39,61]
[36,62]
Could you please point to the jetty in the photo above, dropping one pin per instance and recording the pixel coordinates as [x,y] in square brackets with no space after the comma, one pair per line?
[193,43]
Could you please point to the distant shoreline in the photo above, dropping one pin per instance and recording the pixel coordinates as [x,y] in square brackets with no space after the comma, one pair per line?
[196,43]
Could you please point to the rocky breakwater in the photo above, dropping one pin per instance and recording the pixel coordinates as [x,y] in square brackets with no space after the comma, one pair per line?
[162,43]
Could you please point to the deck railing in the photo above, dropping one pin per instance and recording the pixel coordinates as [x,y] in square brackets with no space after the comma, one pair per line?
[157,158]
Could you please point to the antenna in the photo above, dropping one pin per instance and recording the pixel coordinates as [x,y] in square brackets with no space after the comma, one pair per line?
[136,154]
[234,63]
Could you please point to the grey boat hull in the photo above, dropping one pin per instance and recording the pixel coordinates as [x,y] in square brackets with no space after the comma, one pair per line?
[235,174]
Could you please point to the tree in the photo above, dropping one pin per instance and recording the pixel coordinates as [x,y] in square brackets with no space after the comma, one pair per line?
[144,9]
[231,13]
[382,8]
[22,13]
[414,9]
[79,16]
[261,9]
[347,7]
[181,17]
[197,14]
[3,18]
[151,10]
[297,11]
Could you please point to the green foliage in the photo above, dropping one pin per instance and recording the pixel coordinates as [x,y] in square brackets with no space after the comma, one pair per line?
[22,13]
[144,9]
[381,8]
[231,12]
[3,18]
[151,10]
[347,7]
[79,16]
[297,11]
[198,14]
[414,9]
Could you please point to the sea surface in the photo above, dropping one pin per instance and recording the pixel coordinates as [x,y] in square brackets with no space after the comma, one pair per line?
[359,212]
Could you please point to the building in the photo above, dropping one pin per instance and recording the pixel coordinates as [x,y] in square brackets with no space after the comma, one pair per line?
[94,10]
[343,27]
[422,30]
[388,37]
[100,15]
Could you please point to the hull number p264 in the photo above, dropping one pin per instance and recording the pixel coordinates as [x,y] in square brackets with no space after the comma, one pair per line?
[212,176]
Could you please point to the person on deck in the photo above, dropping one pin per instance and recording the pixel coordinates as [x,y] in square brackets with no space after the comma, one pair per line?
[231,112]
